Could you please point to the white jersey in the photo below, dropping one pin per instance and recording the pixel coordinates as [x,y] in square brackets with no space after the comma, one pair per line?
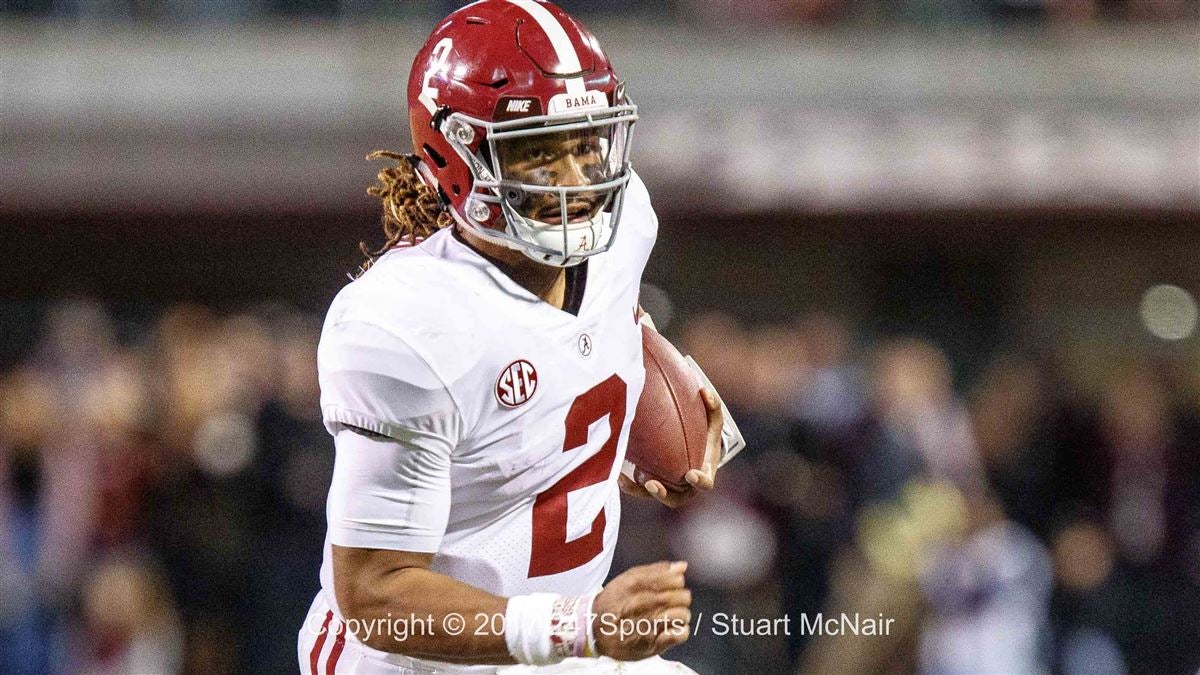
[527,406]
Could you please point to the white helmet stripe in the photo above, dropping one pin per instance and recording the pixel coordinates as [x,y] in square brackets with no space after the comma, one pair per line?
[563,47]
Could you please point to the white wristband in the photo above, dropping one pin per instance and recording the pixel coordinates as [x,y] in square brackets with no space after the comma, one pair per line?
[544,628]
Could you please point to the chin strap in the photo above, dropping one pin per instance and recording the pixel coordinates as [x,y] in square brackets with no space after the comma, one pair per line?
[425,174]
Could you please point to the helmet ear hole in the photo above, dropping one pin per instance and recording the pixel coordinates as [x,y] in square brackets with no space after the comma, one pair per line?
[457,190]
[515,196]
[435,156]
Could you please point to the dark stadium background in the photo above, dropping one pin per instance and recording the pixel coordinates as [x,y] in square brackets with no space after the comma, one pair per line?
[939,257]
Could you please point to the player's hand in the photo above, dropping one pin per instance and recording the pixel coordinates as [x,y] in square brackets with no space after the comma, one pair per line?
[699,480]
[642,612]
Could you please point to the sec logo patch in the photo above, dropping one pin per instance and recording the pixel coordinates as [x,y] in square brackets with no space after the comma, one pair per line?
[517,383]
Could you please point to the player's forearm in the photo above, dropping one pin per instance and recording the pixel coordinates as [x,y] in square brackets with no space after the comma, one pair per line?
[423,614]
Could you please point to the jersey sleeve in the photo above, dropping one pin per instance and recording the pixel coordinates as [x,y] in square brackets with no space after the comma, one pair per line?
[387,494]
[395,426]
[374,380]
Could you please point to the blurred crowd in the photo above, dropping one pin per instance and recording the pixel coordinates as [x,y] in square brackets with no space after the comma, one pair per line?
[1010,524]
[163,476]
[162,493]
[707,11]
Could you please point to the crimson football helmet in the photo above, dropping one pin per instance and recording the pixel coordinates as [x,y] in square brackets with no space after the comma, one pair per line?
[523,128]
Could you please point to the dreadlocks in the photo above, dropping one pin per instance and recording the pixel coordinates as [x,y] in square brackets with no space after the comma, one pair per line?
[411,210]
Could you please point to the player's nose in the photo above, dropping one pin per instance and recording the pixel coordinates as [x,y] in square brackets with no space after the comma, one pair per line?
[572,172]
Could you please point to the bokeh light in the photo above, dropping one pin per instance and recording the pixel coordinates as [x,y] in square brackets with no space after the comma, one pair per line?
[1168,312]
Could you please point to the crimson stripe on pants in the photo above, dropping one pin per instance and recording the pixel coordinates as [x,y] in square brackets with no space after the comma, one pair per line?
[316,650]
[335,652]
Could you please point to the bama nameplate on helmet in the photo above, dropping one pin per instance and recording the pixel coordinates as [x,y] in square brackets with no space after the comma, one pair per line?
[516,107]
[568,103]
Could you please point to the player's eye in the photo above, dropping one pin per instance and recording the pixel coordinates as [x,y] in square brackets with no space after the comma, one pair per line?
[535,155]
[595,172]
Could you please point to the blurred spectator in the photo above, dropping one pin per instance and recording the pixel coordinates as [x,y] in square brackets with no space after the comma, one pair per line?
[988,599]
[130,619]
[920,416]
[1127,556]
[1011,415]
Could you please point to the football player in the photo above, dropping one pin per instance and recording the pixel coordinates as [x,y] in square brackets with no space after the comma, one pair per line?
[480,376]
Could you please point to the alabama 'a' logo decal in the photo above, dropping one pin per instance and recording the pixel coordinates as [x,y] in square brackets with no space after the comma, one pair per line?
[517,383]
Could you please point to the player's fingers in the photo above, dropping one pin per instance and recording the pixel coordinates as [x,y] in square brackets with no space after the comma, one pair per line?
[658,491]
[712,408]
[676,620]
[674,599]
[657,576]
[630,486]
[716,422]
[676,635]
[654,487]
[677,616]
[684,497]
[667,497]
[648,604]
[672,581]
[665,641]
[702,479]
[654,604]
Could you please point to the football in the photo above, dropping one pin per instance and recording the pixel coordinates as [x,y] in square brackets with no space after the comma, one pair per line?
[669,429]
